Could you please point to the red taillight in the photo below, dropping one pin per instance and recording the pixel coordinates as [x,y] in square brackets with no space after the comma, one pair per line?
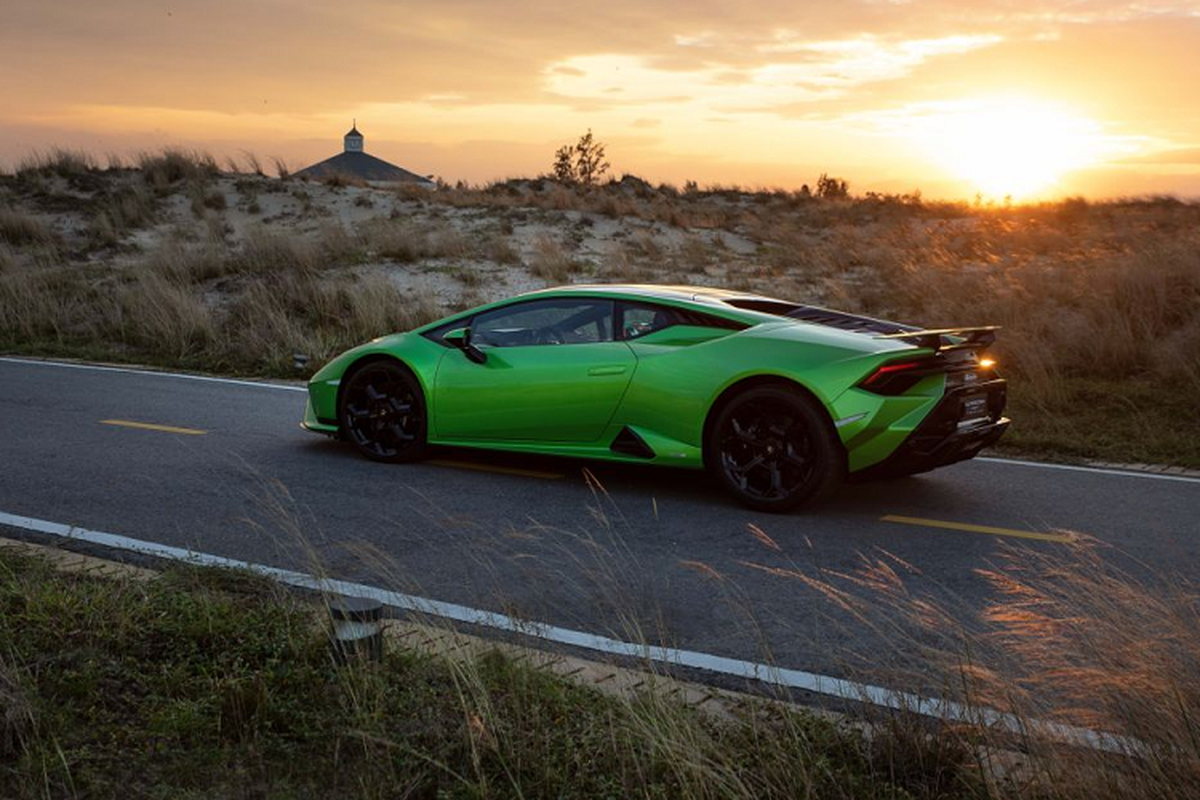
[896,377]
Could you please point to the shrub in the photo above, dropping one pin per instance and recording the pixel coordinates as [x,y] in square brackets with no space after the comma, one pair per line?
[831,188]
[582,163]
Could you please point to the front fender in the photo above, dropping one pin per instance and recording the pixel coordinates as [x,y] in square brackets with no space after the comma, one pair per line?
[414,351]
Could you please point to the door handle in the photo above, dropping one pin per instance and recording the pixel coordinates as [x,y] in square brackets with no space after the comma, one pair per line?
[607,369]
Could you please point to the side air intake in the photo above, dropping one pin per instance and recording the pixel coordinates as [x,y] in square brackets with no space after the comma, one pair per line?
[629,443]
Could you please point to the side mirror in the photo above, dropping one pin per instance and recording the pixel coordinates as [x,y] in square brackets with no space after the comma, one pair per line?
[461,339]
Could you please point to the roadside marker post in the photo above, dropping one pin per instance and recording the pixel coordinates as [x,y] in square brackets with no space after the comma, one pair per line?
[357,630]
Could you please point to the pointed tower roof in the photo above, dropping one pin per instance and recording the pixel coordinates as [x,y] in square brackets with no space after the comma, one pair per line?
[352,162]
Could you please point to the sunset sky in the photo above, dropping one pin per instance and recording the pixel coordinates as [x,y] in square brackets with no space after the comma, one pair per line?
[951,97]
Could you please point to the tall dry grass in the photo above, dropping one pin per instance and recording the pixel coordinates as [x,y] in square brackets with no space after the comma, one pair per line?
[63,162]
[648,741]
[19,229]
[290,298]
[552,261]
[1093,658]
[121,209]
[173,165]
[1078,636]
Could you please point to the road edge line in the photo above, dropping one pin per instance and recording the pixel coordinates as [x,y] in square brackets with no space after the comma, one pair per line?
[1123,473]
[163,373]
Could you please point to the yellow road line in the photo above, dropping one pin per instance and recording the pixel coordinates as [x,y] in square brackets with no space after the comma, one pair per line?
[150,426]
[968,527]
[524,473]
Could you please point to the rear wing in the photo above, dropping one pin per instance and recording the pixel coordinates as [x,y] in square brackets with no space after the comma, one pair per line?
[942,340]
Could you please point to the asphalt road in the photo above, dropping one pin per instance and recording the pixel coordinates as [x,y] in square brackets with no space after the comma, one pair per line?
[636,552]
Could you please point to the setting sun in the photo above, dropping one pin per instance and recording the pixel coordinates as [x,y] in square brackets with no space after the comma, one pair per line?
[1011,146]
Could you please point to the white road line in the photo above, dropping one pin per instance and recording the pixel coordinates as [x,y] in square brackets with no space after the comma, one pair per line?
[132,371]
[1121,473]
[781,676]
[1015,462]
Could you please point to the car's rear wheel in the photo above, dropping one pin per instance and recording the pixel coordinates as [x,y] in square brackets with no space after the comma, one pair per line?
[773,450]
[383,412]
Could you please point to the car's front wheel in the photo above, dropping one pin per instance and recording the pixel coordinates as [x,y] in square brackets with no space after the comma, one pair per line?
[773,450]
[383,412]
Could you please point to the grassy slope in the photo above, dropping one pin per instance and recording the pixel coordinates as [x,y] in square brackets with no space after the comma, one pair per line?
[206,684]
[177,265]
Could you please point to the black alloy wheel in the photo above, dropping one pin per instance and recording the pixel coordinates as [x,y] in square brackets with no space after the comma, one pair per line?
[772,449]
[383,412]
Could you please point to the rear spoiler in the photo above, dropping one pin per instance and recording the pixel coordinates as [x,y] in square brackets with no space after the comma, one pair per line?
[934,338]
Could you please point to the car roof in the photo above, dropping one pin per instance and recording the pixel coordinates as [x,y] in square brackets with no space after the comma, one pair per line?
[707,298]
[705,295]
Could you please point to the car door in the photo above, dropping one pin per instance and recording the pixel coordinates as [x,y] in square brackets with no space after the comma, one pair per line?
[553,372]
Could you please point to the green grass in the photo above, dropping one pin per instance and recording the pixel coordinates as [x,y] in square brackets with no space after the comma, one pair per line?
[203,684]
[1129,421]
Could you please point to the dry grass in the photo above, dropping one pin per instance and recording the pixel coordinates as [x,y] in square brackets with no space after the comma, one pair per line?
[552,261]
[120,210]
[1069,637]
[171,166]
[158,315]
[289,298]
[21,229]
[267,250]
[58,161]
[282,170]
[499,249]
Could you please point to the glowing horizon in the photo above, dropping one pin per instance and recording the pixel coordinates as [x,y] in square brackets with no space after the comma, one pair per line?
[1029,99]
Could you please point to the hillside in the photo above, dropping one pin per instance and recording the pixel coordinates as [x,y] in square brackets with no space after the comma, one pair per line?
[172,261]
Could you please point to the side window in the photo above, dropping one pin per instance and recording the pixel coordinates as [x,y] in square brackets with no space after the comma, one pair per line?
[544,322]
[638,319]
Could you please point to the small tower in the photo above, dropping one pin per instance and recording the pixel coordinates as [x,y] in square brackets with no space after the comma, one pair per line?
[354,140]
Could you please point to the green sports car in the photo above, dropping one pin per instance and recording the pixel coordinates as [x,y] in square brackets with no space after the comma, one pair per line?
[779,401]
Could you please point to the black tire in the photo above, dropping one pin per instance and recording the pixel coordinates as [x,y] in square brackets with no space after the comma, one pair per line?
[773,449]
[382,412]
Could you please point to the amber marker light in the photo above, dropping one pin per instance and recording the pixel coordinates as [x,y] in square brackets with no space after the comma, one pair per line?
[987,363]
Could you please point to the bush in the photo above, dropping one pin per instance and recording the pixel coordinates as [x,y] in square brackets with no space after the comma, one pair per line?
[582,163]
[831,188]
